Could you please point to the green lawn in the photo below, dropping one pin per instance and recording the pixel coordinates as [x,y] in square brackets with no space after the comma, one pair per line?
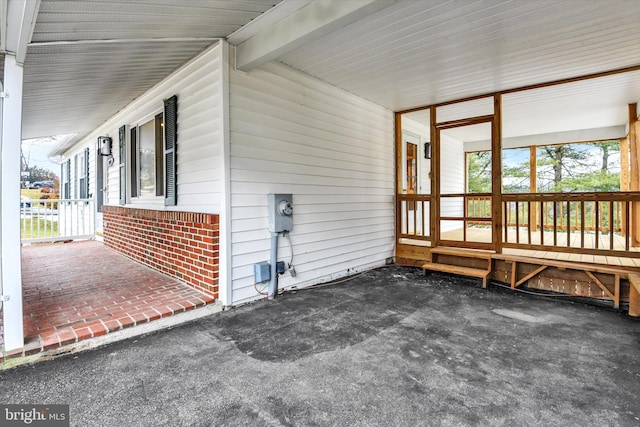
[37,228]
[33,194]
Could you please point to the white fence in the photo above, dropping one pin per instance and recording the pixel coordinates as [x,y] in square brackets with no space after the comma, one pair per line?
[54,220]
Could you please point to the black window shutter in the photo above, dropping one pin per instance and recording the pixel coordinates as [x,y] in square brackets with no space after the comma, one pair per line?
[76,193]
[99,182]
[123,170]
[159,153]
[170,151]
[86,160]
[87,190]
[133,161]
[67,184]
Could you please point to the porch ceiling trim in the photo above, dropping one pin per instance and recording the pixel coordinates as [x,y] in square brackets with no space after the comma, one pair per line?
[3,26]
[20,21]
[112,41]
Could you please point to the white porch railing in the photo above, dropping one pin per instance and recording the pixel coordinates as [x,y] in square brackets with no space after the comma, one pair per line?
[53,220]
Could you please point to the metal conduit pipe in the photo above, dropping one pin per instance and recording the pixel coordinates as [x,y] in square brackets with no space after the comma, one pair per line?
[1,264]
[273,282]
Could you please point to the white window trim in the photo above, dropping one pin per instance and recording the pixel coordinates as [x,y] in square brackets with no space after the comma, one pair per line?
[135,125]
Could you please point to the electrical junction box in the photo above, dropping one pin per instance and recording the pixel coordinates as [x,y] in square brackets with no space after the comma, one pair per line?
[280,212]
[262,272]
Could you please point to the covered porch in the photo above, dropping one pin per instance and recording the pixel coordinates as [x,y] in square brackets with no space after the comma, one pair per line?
[81,290]
[536,186]
[392,55]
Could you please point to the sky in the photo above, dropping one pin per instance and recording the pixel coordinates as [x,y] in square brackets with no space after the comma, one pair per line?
[35,153]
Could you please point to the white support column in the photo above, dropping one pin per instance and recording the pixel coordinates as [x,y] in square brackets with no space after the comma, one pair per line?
[225,289]
[10,262]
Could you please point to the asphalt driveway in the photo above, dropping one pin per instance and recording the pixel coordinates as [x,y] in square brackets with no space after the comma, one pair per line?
[388,348]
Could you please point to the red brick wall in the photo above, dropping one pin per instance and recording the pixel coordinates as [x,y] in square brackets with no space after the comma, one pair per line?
[181,244]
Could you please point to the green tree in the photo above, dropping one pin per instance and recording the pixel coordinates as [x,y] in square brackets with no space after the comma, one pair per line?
[578,167]
[561,168]
[40,174]
[603,179]
[516,178]
[557,162]
[479,172]
[36,173]
[607,148]
[516,170]
[593,181]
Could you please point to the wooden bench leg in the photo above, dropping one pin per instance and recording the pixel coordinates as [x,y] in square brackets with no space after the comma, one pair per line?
[490,271]
[634,295]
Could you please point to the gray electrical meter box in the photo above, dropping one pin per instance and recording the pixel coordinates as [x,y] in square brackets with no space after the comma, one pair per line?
[262,272]
[280,212]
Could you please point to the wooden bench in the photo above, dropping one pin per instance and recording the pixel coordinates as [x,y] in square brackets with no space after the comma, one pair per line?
[458,269]
[461,252]
[588,269]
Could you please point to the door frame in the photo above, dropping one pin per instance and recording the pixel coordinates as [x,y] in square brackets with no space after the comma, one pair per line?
[496,177]
[434,238]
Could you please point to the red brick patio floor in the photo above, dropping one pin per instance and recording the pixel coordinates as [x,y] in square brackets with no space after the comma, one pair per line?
[80,290]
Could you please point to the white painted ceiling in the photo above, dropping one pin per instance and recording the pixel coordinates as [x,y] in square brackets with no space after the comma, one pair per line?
[412,53]
[598,106]
[420,52]
[89,58]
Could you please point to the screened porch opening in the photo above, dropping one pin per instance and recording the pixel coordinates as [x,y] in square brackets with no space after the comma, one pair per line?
[550,172]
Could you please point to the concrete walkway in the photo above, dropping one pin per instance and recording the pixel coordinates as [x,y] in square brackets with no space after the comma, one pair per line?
[388,348]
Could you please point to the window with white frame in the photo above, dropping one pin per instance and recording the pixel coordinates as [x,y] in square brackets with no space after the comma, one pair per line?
[66,179]
[82,174]
[147,170]
[149,159]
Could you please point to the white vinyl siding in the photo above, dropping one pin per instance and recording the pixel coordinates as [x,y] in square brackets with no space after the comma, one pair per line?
[333,151]
[198,86]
